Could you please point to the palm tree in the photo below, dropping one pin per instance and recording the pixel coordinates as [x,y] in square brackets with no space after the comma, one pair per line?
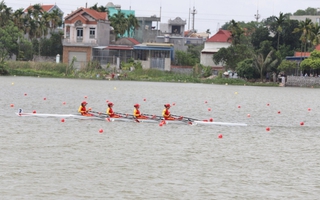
[306,28]
[279,21]
[18,18]
[316,34]
[119,22]
[133,24]
[236,32]
[5,13]
[262,63]
[55,19]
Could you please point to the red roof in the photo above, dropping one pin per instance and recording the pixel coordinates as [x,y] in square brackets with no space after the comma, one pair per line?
[220,36]
[134,41]
[93,13]
[44,8]
[298,54]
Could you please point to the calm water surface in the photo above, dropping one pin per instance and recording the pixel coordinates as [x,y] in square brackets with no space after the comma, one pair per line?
[43,158]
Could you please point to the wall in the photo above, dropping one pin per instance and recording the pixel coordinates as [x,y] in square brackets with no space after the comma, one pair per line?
[302,81]
[67,49]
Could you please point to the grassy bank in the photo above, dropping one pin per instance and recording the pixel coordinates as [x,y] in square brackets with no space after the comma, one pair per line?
[62,70]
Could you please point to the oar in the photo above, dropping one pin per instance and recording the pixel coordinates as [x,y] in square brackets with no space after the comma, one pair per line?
[186,118]
[100,114]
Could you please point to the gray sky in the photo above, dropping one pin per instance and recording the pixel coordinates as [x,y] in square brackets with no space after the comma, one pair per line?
[211,14]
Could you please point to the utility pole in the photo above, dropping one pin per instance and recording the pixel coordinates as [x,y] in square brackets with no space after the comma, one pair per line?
[194,12]
[257,16]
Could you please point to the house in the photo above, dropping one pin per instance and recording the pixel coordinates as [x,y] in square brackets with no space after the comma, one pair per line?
[113,54]
[147,32]
[84,29]
[314,18]
[173,33]
[212,45]
[154,55]
[48,9]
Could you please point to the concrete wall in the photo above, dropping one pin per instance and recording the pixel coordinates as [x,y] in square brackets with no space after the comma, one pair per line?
[67,49]
[302,81]
[182,69]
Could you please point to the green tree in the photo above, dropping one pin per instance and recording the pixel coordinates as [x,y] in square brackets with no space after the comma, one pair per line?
[5,13]
[9,35]
[133,24]
[305,28]
[313,62]
[119,22]
[231,56]
[245,69]
[236,32]
[279,20]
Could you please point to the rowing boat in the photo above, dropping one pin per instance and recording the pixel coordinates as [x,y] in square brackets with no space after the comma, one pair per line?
[75,116]
[129,118]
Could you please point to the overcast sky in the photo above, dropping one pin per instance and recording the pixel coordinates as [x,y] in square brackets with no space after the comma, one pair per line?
[211,14]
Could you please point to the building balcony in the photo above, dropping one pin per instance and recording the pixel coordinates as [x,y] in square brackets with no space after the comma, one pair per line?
[80,42]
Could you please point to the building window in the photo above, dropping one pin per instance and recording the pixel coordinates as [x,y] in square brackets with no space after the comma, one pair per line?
[79,34]
[92,32]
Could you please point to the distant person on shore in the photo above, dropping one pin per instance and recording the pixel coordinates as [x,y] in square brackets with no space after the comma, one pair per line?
[166,113]
[110,111]
[136,112]
[83,110]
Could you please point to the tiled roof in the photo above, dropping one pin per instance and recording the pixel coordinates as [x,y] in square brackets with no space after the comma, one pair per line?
[44,8]
[220,36]
[134,41]
[93,13]
[304,54]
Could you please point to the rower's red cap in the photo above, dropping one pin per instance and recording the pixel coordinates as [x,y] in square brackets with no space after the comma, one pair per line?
[84,102]
[136,105]
[166,105]
[110,104]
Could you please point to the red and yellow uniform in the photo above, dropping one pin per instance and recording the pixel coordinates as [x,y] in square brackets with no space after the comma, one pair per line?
[110,111]
[137,114]
[83,110]
[166,113]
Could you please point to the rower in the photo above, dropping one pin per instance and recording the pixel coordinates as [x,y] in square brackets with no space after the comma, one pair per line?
[137,114]
[166,113]
[110,111]
[83,110]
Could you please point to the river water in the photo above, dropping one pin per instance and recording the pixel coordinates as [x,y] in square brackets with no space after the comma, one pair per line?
[44,158]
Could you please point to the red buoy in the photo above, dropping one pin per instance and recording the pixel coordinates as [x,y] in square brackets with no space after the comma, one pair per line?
[209,109]
[44,98]
[85,97]
[101,131]
[309,109]
[62,120]
[279,112]
[248,115]
[34,112]
[301,123]
[220,136]
[267,129]
[25,94]
[64,103]
[239,106]
[173,104]
[11,105]
[211,120]
[144,99]
[268,104]
[205,102]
